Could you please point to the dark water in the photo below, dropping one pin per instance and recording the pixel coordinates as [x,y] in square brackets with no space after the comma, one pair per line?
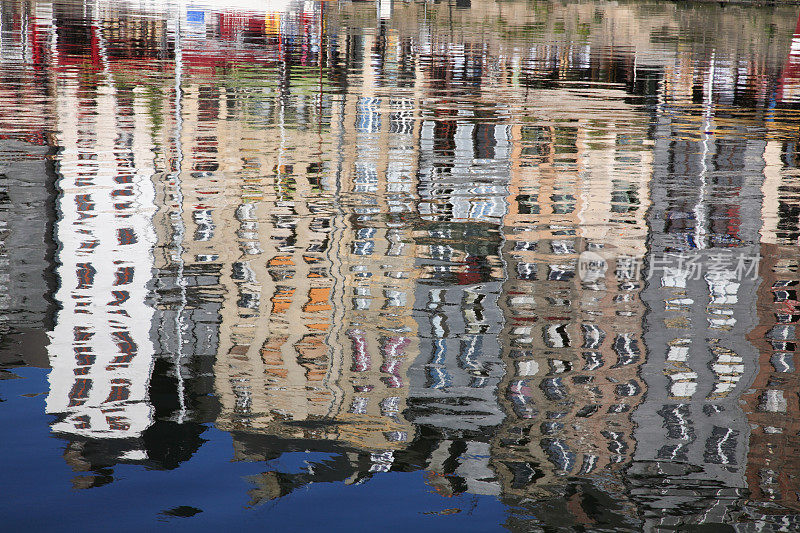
[463,266]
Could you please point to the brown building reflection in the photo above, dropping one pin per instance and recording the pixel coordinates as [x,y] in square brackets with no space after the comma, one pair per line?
[572,340]
[772,406]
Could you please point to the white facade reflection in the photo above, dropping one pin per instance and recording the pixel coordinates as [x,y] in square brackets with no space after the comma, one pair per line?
[100,349]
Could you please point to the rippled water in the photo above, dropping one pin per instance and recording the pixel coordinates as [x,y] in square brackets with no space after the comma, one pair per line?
[453,266]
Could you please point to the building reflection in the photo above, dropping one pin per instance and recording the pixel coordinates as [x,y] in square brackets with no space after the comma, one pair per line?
[770,470]
[572,341]
[367,245]
[114,372]
[101,351]
[27,209]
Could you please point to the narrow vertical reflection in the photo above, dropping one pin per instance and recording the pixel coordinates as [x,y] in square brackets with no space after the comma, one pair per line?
[180,230]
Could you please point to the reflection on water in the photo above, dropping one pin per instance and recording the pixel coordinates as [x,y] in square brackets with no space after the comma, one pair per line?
[363,240]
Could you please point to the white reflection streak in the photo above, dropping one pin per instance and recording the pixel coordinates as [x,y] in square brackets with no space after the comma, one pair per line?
[700,208]
[180,231]
[721,450]
[282,146]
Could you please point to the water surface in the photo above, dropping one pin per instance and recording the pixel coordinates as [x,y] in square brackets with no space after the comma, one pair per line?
[451,266]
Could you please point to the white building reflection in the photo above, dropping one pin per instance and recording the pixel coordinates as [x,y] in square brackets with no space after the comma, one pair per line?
[100,350]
